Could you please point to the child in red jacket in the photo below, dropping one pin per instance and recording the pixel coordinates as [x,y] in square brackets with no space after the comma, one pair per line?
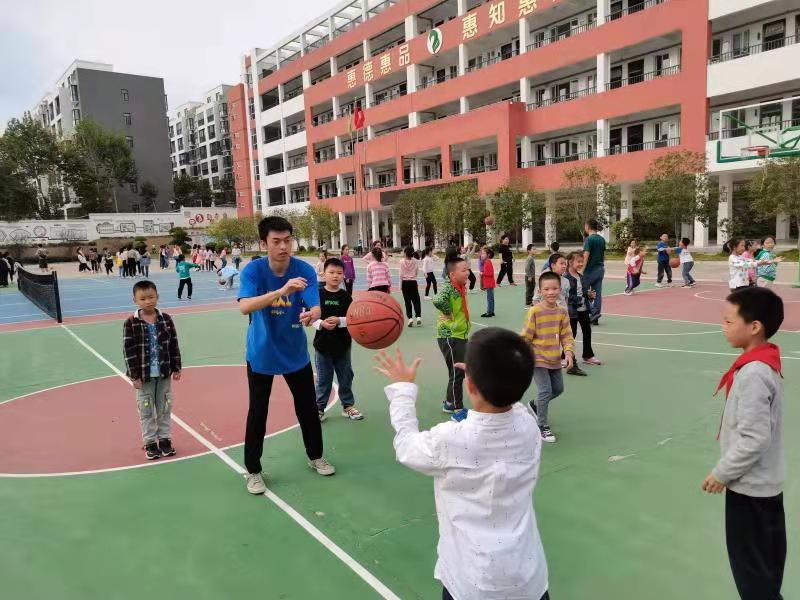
[488,281]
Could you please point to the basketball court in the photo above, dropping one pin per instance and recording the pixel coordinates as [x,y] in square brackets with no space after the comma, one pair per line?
[619,502]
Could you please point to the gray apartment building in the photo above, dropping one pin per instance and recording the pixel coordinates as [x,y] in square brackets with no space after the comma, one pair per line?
[134,106]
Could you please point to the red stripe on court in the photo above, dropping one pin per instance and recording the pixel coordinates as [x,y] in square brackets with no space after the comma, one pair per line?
[701,304]
[94,425]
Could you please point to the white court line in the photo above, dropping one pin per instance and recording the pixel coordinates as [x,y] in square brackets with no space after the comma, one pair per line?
[659,349]
[329,544]
[596,332]
[699,295]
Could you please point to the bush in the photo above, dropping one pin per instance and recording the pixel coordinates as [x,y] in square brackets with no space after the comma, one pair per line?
[623,232]
[301,249]
[186,249]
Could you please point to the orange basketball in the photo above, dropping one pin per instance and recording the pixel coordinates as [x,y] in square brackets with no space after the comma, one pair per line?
[375,320]
[674,262]
[489,221]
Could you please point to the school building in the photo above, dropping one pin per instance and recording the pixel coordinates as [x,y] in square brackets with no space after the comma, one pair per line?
[491,90]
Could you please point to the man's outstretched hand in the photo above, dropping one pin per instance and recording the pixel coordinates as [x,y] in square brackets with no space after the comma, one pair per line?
[396,370]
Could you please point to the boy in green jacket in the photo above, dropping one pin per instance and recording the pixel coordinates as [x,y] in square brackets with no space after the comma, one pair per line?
[184,269]
[452,331]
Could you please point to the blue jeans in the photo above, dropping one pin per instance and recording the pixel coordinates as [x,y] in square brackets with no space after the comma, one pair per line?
[490,300]
[326,367]
[549,386]
[593,278]
[686,269]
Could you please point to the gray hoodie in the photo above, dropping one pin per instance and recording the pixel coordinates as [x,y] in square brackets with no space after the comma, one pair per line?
[751,439]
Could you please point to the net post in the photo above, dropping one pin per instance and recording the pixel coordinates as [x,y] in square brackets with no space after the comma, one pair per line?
[58,297]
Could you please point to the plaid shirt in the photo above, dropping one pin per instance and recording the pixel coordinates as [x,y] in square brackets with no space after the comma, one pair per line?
[136,346]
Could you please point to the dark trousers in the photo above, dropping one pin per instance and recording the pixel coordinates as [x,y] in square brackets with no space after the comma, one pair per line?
[506,269]
[634,280]
[411,296]
[188,284]
[348,285]
[301,384]
[664,268]
[454,350]
[586,330]
[109,267]
[446,595]
[430,280]
[755,530]
[132,267]
[472,280]
[530,290]
[380,288]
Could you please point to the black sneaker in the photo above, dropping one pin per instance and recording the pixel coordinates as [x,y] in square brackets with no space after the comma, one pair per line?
[151,451]
[547,435]
[576,370]
[166,447]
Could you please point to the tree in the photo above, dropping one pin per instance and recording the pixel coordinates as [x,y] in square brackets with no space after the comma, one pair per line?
[183,189]
[587,193]
[203,192]
[225,231]
[412,209]
[149,193]
[97,161]
[31,150]
[324,222]
[673,194]
[776,189]
[17,197]
[226,194]
[516,206]
[455,211]
[179,236]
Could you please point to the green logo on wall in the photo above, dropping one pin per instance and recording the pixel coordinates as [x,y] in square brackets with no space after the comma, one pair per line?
[434,40]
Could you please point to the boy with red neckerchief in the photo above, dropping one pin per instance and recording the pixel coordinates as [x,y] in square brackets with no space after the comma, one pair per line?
[452,331]
[751,443]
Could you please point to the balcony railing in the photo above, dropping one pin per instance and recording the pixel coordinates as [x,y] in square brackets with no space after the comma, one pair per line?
[376,10]
[741,131]
[330,194]
[318,44]
[324,154]
[272,138]
[275,170]
[320,78]
[634,79]
[431,177]
[297,163]
[436,81]
[349,108]
[389,96]
[557,160]
[390,130]
[668,143]
[301,198]
[565,98]
[549,39]
[292,57]
[618,14]
[756,49]
[388,46]
[292,93]
[323,117]
[475,171]
[492,61]
[348,26]
[380,185]
[295,128]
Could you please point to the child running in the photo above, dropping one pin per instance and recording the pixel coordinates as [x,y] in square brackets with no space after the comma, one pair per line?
[427,268]
[578,299]
[687,262]
[488,283]
[379,279]
[184,271]
[548,331]
[484,472]
[152,356]
[751,466]
[452,332]
[766,273]
[332,343]
[635,270]
[409,267]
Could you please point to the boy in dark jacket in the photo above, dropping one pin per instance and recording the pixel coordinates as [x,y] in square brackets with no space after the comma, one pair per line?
[152,356]
[578,302]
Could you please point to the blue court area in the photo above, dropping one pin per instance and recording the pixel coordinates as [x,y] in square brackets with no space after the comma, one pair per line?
[97,294]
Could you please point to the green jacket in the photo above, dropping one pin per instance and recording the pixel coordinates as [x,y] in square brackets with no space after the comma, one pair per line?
[184,268]
[450,301]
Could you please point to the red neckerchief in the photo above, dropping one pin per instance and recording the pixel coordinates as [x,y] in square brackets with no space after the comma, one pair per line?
[769,354]
[463,291]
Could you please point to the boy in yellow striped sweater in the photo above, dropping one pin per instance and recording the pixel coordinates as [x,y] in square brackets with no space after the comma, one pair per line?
[548,331]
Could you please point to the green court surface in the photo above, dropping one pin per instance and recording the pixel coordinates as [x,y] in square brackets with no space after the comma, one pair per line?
[619,504]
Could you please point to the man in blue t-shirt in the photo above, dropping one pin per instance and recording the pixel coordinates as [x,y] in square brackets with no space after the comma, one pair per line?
[663,250]
[280,294]
[594,257]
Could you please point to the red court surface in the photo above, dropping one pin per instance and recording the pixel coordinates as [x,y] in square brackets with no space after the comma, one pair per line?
[701,304]
[93,425]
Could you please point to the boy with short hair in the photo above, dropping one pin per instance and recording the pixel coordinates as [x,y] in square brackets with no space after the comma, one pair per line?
[751,445]
[152,355]
[662,252]
[530,276]
[452,331]
[687,262]
[548,331]
[184,271]
[332,342]
[484,471]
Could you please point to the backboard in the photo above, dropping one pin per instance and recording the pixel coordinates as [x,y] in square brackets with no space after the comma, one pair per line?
[762,130]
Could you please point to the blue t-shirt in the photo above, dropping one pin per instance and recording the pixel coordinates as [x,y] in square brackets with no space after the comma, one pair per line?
[663,256]
[276,342]
[152,340]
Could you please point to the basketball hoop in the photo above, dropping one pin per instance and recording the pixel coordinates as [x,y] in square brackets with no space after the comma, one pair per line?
[759,151]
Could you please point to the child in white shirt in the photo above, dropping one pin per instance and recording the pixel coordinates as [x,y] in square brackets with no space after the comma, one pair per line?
[484,470]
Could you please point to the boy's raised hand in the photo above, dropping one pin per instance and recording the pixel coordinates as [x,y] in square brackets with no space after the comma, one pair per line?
[396,370]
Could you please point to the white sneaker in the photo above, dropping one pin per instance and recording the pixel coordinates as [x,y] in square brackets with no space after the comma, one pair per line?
[255,483]
[411,322]
[659,285]
[419,321]
[352,413]
[322,466]
[427,297]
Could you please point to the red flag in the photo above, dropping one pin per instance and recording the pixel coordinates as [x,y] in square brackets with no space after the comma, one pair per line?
[358,117]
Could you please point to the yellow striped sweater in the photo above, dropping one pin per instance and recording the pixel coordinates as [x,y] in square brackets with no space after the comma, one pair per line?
[548,330]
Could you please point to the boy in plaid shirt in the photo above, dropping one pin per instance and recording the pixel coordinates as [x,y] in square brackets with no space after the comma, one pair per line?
[152,355]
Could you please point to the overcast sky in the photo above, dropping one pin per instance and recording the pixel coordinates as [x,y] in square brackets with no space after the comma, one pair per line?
[194,45]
